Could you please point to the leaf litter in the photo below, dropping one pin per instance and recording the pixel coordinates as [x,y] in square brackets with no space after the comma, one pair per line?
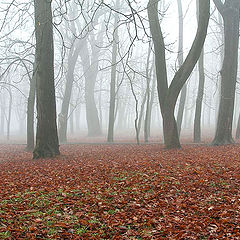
[121,192]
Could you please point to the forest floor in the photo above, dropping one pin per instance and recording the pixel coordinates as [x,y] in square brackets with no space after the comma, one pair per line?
[121,192]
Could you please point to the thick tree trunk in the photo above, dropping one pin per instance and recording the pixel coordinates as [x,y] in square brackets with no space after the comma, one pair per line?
[30,111]
[230,13]
[171,138]
[46,138]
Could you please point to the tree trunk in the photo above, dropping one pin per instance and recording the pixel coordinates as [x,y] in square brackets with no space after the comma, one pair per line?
[170,132]
[2,115]
[46,138]
[230,14]
[151,103]
[238,128]
[77,117]
[9,113]
[63,116]
[180,62]
[111,119]
[90,68]
[168,95]
[148,78]
[30,111]
[198,111]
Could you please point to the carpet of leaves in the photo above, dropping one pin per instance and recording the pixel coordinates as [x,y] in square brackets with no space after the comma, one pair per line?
[121,192]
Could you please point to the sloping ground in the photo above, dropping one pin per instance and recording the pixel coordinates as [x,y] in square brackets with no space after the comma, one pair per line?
[121,192]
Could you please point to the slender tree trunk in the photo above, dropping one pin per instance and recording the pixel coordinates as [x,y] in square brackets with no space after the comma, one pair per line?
[148,78]
[221,28]
[151,102]
[2,115]
[9,113]
[63,116]
[113,83]
[30,111]
[180,62]
[71,119]
[231,17]
[47,144]
[140,118]
[100,105]
[122,119]
[198,111]
[77,117]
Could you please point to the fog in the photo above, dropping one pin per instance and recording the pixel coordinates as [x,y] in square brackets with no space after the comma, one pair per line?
[84,38]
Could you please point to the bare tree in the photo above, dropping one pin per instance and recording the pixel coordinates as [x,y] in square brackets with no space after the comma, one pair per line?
[180,62]
[46,138]
[230,11]
[168,94]
[198,111]
[112,109]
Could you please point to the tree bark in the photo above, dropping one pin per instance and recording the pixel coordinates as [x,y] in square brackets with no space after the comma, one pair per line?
[168,95]
[238,128]
[148,78]
[90,68]
[46,138]
[9,113]
[230,13]
[180,62]
[63,116]
[30,111]
[2,115]
[198,111]
[111,119]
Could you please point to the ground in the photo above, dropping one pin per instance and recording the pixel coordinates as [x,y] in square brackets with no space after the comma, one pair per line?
[121,192]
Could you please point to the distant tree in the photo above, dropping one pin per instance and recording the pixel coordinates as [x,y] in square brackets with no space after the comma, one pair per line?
[168,94]
[46,137]
[71,64]
[230,11]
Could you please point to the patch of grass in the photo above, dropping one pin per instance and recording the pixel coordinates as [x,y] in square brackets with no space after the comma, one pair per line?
[81,230]
[5,235]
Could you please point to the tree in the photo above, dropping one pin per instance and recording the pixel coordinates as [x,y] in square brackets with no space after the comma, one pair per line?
[30,111]
[113,79]
[168,94]
[180,62]
[230,11]
[198,111]
[46,138]
[63,116]
[90,63]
